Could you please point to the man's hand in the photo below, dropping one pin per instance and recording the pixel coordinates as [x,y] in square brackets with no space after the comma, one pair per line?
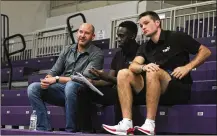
[47,76]
[180,72]
[47,81]
[99,73]
[151,67]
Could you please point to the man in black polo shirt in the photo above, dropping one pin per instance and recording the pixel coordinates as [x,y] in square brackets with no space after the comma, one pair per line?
[162,66]
[126,34]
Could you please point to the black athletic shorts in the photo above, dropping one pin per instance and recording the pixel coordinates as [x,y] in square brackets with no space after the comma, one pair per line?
[176,93]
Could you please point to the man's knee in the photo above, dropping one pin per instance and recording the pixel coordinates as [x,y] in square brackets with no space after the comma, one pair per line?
[33,89]
[71,88]
[153,75]
[124,74]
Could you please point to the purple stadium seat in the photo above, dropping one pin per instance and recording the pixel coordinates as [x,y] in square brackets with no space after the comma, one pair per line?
[15,115]
[208,41]
[204,75]
[43,63]
[57,116]
[206,85]
[35,78]
[19,73]
[103,44]
[14,98]
[20,115]
[139,116]
[110,52]
[102,115]
[204,92]
[36,63]
[107,62]
[206,71]
[108,56]
[193,119]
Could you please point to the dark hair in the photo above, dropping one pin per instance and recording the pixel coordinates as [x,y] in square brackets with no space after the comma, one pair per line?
[130,25]
[154,16]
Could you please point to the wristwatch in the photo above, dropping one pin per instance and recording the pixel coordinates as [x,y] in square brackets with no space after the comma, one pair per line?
[57,79]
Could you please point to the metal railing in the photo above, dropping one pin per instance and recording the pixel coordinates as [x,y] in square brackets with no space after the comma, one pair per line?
[4,33]
[45,42]
[198,20]
[49,42]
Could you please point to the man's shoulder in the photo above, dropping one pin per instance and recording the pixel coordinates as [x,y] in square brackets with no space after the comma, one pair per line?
[95,50]
[176,33]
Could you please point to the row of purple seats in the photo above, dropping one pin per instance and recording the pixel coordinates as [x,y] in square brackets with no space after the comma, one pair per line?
[37,63]
[14,98]
[35,78]
[191,119]
[203,92]
[29,132]
[206,71]
[19,73]
[23,68]
[20,115]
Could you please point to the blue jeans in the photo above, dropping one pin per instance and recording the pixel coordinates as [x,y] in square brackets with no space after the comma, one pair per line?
[57,94]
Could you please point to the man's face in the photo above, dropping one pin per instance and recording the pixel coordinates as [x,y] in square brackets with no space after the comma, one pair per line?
[148,25]
[123,36]
[85,34]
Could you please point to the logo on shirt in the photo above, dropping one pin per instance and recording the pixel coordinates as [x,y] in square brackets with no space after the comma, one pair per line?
[167,49]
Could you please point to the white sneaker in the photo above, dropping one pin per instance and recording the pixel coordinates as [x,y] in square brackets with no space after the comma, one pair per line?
[120,129]
[147,129]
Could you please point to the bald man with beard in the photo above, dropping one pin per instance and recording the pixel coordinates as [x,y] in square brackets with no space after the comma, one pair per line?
[59,86]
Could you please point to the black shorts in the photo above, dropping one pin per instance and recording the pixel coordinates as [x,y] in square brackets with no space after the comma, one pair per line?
[176,93]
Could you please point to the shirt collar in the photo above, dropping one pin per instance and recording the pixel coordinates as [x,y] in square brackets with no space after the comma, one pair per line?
[162,37]
[88,50]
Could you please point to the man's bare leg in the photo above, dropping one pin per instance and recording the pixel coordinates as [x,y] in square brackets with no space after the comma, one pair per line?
[156,83]
[126,81]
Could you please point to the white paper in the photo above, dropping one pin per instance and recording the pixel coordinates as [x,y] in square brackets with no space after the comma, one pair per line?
[81,78]
[100,35]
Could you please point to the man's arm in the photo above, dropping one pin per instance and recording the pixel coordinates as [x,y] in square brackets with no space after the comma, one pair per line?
[193,47]
[202,55]
[106,79]
[137,64]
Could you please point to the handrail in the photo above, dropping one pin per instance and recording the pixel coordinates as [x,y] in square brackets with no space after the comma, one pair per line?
[12,53]
[5,30]
[69,26]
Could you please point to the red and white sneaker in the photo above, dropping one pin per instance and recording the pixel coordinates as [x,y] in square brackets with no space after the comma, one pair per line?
[146,129]
[120,129]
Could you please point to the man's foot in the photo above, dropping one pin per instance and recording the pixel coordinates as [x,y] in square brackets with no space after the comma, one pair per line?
[120,129]
[147,129]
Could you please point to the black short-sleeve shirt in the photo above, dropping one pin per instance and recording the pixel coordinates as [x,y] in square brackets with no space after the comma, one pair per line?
[171,51]
[124,57]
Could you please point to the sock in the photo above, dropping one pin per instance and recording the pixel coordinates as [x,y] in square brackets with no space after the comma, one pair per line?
[128,122]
